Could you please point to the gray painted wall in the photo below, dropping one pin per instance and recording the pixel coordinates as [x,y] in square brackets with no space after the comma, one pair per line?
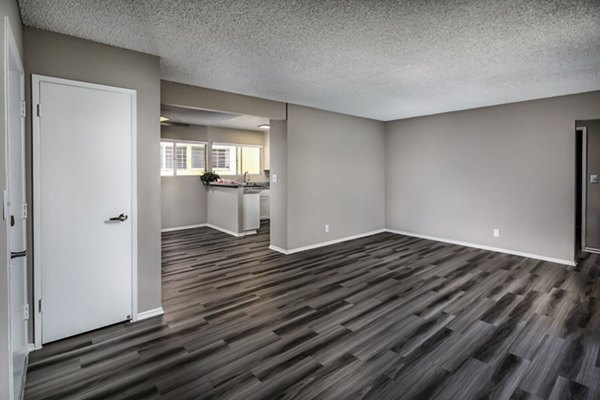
[63,56]
[192,132]
[592,224]
[278,197]
[459,175]
[183,202]
[335,176]
[183,198]
[7,8]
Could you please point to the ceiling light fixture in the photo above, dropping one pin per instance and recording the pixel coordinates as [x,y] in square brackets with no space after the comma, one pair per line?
[163,119]
[264,126]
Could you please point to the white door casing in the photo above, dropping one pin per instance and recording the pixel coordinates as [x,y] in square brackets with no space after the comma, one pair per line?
[85,265]
[15,209]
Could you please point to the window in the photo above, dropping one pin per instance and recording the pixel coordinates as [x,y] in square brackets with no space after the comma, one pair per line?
[166,158]
[250,160]
[198,157]
[224,159]
[231,159]
[182,158]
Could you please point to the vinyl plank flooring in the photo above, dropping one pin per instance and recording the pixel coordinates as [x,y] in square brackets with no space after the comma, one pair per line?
[381,317]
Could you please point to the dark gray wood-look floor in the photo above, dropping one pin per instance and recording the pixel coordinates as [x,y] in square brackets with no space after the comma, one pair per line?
[383,317]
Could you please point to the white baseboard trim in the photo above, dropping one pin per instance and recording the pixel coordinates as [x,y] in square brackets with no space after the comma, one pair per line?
[232,233]
[150,313]
[591,250]
[484,247]
[278,249]
[180,228]
[323,244]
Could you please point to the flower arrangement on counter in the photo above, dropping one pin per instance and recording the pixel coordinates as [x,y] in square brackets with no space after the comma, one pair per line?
[209,177]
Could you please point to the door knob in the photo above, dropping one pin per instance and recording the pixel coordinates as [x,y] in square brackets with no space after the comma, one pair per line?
[120,218]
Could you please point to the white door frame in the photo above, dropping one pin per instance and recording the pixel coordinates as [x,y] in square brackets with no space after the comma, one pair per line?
[10,46]
[37,261]
[584,183]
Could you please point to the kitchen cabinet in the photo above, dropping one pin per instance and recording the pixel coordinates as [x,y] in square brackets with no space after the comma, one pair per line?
[265,204]
[251,211]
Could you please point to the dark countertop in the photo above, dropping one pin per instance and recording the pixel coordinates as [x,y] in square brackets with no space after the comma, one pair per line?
[227,185]
[258,186]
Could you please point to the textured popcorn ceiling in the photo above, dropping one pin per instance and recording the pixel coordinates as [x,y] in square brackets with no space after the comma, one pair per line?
[377,59]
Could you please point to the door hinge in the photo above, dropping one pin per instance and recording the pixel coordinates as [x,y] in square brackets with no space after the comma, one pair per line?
[38,110]
[25,212]
[26,312]
[23,109]
[40,305]
[5,205]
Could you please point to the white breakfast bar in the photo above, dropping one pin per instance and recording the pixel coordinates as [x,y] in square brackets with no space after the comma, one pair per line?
[233,208]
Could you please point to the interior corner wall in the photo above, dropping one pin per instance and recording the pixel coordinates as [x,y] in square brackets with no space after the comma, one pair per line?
[335,176]
[61,56]
[459,175]
[9,9]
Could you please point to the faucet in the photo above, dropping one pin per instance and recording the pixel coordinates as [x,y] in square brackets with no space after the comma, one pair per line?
[246,177]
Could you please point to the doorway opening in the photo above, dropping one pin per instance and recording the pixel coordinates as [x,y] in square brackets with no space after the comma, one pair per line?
[587,187]
[215,170]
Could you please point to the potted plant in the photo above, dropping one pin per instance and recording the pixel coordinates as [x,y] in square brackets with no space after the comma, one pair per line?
[209,177]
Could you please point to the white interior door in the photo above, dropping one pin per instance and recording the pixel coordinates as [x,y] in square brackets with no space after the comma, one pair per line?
[15,209]
[84,206]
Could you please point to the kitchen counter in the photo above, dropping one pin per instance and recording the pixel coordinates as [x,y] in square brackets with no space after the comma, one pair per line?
[252,187]
[257,185]
[233,208]
[227,185]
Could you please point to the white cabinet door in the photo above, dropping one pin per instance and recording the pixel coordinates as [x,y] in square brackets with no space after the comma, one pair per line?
[251,211]
[264,204]
[84,177]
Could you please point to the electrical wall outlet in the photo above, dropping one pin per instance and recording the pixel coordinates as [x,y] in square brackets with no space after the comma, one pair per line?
[326,228]
[496,232]
[274,178]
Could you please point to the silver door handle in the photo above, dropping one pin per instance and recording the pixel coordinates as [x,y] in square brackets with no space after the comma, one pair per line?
[120,218]
[17,254]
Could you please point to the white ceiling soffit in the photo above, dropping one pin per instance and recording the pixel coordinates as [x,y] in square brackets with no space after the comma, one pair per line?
[385,59]
[212,118]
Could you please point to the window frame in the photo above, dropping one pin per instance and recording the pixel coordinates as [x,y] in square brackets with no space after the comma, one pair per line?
[239,158]
[174,160]
[212,149]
